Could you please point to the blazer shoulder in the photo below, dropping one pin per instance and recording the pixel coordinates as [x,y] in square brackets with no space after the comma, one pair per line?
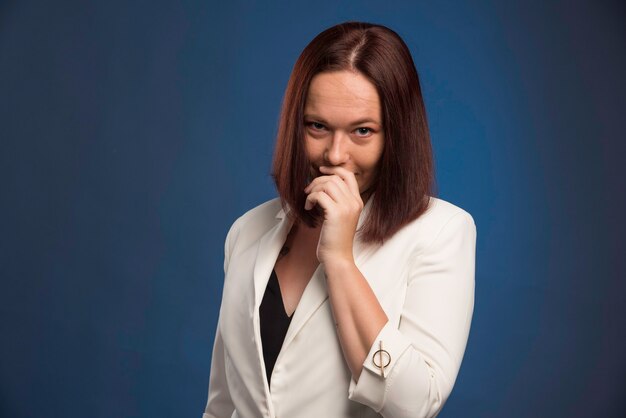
[254,222]
[440,213]
[261,214]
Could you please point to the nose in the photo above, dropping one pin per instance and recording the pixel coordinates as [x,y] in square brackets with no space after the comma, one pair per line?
[337,150]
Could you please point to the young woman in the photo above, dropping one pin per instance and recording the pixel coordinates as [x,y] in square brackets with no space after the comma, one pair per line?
[351,294]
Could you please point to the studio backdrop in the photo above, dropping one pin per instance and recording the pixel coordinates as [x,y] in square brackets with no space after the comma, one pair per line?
[133,133]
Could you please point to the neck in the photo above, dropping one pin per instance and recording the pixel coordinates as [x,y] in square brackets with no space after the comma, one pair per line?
[308,232]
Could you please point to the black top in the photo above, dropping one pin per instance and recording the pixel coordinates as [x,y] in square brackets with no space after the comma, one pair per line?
[274,323]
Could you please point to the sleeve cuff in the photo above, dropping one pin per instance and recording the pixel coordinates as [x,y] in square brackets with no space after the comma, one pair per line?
[372,386]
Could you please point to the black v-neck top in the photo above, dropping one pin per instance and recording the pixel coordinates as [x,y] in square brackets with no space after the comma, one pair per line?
[274,323]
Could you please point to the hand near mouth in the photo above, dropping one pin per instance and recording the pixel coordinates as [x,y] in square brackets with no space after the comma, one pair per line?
[336,191]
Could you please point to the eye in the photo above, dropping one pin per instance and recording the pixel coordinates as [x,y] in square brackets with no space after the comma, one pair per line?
[315,126]
[363,131]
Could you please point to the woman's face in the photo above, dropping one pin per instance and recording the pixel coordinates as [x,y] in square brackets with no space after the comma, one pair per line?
[343,125]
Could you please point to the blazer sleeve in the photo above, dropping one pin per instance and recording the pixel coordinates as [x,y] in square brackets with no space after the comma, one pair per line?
[427,347]
[219,403]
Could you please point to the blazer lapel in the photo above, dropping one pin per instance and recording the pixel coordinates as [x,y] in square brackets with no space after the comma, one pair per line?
[312,298]
[267,253]
[269,247]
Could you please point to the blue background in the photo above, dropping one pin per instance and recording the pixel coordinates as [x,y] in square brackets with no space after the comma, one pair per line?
[134,133]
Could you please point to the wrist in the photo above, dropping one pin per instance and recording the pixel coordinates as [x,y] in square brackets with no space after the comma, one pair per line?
[338,266]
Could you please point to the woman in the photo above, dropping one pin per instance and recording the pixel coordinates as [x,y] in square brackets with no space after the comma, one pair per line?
[350,295]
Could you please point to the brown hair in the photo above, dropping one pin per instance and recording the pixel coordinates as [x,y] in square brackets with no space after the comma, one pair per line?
[406,169]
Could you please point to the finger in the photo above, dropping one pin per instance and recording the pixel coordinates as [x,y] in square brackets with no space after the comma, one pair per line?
[346,175]
[319,198]
[325,179]
[334,186]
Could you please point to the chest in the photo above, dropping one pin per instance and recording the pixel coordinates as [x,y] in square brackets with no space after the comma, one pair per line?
[294,268]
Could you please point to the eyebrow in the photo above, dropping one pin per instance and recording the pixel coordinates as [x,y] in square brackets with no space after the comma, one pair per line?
[356,122]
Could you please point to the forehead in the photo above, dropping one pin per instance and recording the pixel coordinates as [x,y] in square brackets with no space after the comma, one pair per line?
[342,96]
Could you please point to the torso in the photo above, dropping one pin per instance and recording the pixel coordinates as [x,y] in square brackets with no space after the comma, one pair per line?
[295,268]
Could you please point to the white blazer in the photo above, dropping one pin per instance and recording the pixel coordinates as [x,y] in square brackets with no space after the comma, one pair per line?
[423,277]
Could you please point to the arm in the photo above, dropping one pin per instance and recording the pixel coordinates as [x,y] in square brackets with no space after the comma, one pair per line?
[357,312]
[427,348]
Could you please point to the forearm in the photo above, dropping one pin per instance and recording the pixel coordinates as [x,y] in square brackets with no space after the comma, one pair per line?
[358,314]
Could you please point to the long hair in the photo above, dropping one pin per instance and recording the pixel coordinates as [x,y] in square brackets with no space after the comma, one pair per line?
[405,177]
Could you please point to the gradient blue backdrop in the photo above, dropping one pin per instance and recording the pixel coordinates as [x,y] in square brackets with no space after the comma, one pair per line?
[134,133]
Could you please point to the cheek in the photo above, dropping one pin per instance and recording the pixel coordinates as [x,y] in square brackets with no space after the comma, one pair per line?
[372,160]
[377,155]
[313,150]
